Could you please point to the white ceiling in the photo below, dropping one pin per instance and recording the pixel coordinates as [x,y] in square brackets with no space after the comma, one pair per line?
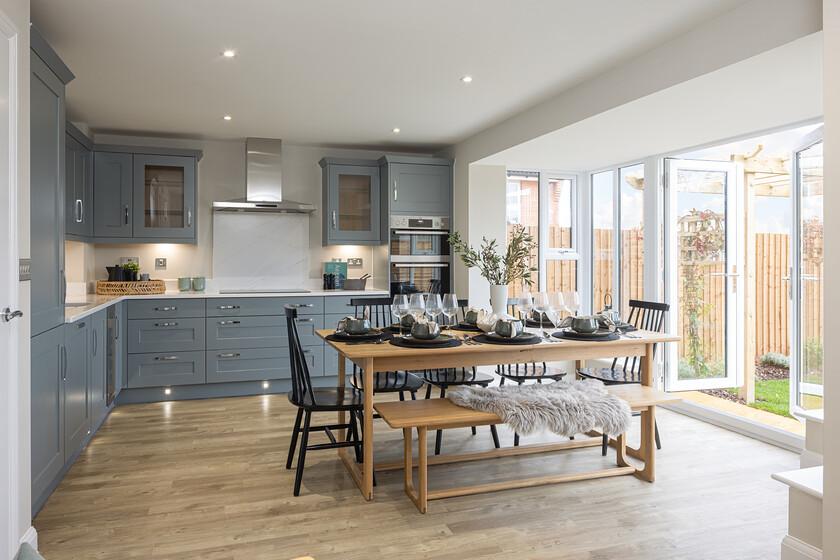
[774,89]
[338,71]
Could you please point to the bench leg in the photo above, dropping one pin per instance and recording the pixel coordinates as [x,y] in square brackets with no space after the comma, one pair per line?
[648,446]
[422,470]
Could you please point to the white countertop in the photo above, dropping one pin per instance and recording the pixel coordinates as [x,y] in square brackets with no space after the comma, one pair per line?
[83,306]
[809,481]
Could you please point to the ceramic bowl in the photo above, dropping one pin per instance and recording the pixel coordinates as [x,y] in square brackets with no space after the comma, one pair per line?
[425,330]
[352,325]
[509,328]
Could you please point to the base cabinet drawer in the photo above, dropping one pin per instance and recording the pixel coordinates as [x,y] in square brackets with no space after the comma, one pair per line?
[235,307]
[165,335]
[159,370]
[164,308]
[259,364]
[259,332]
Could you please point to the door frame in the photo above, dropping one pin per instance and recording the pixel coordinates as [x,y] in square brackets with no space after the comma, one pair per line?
[734,242]
[795,286]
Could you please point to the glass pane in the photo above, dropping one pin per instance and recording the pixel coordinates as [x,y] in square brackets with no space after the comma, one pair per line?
[523,209]
[163,196]
[603,234]
[701,231]
[418,244]
[631,191]
[811,275]
[354,197]
[559,214]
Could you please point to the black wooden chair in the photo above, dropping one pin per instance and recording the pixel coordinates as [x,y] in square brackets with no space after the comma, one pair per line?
[379,312]
[523,372]
[453,377]
[309,400]
[645,315]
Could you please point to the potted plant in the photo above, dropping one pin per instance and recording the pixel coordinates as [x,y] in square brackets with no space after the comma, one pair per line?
[132,270]
[499,270]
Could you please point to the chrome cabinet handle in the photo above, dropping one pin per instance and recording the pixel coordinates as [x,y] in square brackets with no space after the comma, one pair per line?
[299,305]
[126,214]
[229,322]
[117,328]
[94,343]
[172,324]
[167,308]
[334,222]
[303,320]
[189,218]
[81,210]
[62,358]
[230,355]
[80,325]
[8,314]
[395,190]
[166,358]
[227,307]
[77,210]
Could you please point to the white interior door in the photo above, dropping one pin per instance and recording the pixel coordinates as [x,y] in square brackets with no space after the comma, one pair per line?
[9,322]
[806,286]
[703,277]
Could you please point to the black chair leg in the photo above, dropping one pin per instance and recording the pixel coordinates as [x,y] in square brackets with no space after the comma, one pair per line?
[605,443]
[354,433]
[473,430]
[304,442]
[402,395]
[515,439]
[293,443]
[414,395]
[428,391]
[495,434]
[438,441]
[656,435]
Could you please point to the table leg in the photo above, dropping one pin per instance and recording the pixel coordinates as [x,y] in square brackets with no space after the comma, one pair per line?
[408,472]
[648,365]
[579,364]
[367,479]
[342,382]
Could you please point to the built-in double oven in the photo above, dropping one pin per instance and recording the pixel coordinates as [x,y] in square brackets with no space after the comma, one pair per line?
[420,260]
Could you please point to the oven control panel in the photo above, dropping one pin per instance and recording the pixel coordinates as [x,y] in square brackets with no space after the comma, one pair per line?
[420,222]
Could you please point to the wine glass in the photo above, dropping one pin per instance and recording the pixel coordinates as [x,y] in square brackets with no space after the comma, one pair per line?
[450,307]
[525,305]
[541,305]
[399,307]
[434,307]
[572,300]
[557,306]
[417,305]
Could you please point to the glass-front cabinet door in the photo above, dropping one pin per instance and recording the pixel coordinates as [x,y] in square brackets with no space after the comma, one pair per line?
[164,196]
[353,205]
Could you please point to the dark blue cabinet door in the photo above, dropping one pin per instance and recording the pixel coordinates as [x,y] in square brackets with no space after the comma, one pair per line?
[47,410]
[164,196]
[420,189]
[97,397]
[112,190]
[46,197]
[76,390]
[78,189]
[353,200]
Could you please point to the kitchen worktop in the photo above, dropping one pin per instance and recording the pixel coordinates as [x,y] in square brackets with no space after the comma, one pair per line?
[79,307]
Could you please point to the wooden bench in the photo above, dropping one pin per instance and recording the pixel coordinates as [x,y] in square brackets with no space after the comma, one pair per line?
[435,414]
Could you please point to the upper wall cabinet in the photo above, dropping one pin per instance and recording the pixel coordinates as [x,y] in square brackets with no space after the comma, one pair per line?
[351,202]
[78,184]
[418,186]
[144,195]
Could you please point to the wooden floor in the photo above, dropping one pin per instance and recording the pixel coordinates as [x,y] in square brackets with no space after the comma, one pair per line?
[206,479]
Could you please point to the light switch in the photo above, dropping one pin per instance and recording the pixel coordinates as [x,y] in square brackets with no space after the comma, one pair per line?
[160,263]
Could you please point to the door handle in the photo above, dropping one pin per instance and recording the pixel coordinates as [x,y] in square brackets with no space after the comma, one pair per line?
[334,223]
[189,218]
[230,355]
[395,190]
[81,210]
[166,358]
[8,314]
[77,210]
[229,322]
[126,214]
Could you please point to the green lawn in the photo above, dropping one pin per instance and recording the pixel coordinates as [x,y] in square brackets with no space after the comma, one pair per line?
[771,395]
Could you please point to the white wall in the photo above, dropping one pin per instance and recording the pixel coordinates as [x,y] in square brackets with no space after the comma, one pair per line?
[221,176]
[488,184]
[831,452]
[751,28]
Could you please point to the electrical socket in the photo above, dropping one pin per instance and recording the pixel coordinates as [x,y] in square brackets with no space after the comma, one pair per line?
[357,261]
[160,263]
[126,260]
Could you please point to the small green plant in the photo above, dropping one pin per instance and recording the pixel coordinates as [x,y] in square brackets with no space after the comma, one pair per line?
[775,359]
[499,270]
[132,266]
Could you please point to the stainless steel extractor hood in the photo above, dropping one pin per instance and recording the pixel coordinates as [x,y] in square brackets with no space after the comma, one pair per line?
[263,185]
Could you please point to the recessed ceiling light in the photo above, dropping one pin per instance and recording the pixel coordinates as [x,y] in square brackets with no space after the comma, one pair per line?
[227,117]
[466,79]
[396,130]
[229,53]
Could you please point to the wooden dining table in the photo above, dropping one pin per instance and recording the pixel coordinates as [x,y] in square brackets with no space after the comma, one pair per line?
[384,357]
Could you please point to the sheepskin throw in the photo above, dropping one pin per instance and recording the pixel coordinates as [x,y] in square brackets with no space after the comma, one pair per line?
[564,407]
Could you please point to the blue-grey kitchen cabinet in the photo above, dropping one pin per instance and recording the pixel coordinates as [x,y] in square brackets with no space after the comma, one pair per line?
[417,186]
[98,390]
[78,185]
[351,202]
[259,364]
[47,410]
[164,196]
[165,368]
[76,386]
[112,192]
[46,196]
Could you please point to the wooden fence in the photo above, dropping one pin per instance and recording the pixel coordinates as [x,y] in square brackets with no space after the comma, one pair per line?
[772,313]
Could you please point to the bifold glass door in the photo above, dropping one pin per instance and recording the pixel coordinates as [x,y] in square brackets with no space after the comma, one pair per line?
[702,273]
[806,279]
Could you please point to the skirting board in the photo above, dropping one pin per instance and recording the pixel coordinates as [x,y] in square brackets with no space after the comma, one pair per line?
[756,430]
[30,537]
[795,549]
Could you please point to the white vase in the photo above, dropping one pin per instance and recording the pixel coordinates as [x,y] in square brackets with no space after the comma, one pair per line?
[498,299]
